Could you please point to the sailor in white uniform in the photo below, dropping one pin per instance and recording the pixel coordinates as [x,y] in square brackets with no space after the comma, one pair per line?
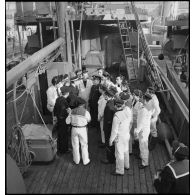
[79,118]
[143,130]
[120,136]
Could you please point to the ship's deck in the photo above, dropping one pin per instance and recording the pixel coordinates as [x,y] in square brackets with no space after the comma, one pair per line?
[62,176]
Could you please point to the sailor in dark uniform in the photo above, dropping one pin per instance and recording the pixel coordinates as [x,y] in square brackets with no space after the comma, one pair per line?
[109,112]
[73,87]
[174,178]
[93,101]
[61,110]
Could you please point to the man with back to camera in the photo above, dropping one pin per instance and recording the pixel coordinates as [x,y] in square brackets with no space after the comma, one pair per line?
[79,117]
[120,135]
[61,110]
[136,106]
[143,130]
[174,178]
[154,103]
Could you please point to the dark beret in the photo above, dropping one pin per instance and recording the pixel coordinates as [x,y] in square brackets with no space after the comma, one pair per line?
[147,96]
[65,76]
[118,102]
[180,150]
[101,68]
[79,70]
[106,74]
[80,101]
[103,87]
[85,71]
[124,96]
[74,78]
[113,89]
[138,93]
[65,89]
[97,77]
[109,93]
[151,89]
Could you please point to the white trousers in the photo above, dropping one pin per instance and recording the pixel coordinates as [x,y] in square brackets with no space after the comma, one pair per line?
[122,154]
[79,135]
[143,146]
[102,131]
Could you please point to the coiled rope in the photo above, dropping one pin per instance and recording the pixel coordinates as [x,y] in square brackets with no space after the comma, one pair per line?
[18,149]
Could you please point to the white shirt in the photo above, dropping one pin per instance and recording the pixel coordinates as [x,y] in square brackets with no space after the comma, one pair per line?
[101,106]
[51,97]
[121,124]
[143,120]
[154,104]
[79,120]
[85,91]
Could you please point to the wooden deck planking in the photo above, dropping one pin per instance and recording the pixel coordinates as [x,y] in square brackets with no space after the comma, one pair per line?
[113,182]
[131,183]
[62,176]
[65,181]
[137,187]
[51,171]
[55,176]
[57,186]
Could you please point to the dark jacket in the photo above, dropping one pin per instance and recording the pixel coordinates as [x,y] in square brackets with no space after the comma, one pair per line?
[60,108]
[108,118]
[174,178]
[94,96]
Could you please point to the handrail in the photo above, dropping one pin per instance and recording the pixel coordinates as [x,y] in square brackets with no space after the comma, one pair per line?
[18,71]
[174,93]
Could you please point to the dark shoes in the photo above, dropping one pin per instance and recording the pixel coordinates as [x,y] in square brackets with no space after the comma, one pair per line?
[116,174]
[106,162]
[87,163]
[127,169]
[142,166]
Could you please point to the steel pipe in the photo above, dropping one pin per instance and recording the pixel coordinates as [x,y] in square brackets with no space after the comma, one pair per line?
[18,71]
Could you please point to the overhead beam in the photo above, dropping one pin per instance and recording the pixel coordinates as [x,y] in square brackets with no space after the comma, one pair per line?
[18,71]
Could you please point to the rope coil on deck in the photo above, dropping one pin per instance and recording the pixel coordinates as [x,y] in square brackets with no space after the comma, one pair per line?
[18,149]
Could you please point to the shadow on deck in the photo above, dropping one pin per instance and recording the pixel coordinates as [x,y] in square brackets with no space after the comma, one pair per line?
[62,176]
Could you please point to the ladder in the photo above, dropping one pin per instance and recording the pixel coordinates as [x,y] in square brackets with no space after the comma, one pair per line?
[127,50]
[74,60]
[153,73]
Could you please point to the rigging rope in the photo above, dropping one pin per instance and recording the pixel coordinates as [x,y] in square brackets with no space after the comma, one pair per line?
[18,97]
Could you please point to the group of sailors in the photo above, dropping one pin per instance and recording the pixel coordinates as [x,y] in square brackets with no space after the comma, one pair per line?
[124,118]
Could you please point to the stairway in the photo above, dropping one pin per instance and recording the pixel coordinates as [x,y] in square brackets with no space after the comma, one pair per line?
[127,50]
